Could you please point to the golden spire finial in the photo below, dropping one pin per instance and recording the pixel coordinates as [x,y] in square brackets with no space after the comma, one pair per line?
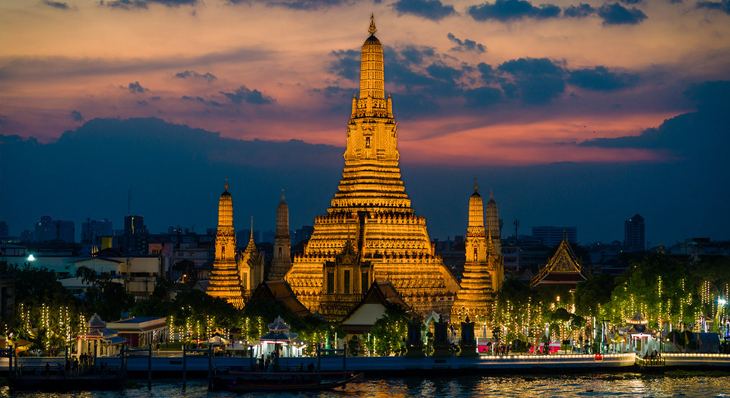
[226,187]
[491,195]
[476,187]
[251,239]
[372,29]
[282,194]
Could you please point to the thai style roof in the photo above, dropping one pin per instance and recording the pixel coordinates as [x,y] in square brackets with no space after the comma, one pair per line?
[562,269]
[278,325]
[280,290]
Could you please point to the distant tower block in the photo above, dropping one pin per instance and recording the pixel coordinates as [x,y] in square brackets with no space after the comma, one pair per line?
[224,280]
[476,296]
[281,262]
[370,222]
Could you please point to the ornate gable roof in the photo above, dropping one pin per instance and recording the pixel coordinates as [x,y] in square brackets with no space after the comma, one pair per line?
[563,268]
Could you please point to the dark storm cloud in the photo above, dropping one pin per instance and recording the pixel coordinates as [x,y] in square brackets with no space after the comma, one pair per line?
[534,80]
[631,2]
[483,96]
[40,68]
[443,72]
[416,55]
[143,4]
[616,14]
[347,64]
[244,94]
[202,100]
[57,4]
[305,5]
[142,102]
[333,92]
[509,10]
[699,134]
[579,11]
[723,6]
[135,88]
[601,79]
[76,116]
[710,95]
[193,74]
[428,9]
[466,45]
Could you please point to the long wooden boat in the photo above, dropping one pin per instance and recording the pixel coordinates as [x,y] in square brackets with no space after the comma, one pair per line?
[283,382]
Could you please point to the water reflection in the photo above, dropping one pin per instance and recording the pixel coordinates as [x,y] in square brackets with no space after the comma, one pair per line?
[522,386]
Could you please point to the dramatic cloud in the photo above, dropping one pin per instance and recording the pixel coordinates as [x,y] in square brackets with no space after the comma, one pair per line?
[244,94]
[483,96]
[143,4]
[601,79]
[57,4]
[510,10]
[466,45]
[40,68]
[416,55]
[631,2]
[306,5]
[535,81]
[428,9]
[193,74]
[76,116]
[135,88]
[204,101]
[579,11]
[616,14]
[347,64]
[723,6]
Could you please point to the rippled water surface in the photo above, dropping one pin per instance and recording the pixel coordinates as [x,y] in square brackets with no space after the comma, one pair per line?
[694,384]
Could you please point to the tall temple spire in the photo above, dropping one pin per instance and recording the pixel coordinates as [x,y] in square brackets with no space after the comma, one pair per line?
[372,211]
[371,70]
[372,29]
[476,294]
[224,280]
[226,187]
[281,263]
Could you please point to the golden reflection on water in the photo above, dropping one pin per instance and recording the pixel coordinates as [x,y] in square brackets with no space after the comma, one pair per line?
[520,386]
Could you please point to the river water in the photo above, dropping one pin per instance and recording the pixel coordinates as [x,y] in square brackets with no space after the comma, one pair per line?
[673,384]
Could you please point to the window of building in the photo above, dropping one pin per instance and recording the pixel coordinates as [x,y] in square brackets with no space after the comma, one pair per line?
[347,282]
[367,142]
[245,280]
[365,282]
[330,282]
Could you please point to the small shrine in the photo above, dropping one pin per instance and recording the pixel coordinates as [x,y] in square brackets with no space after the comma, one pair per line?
[97,340]
[279,341]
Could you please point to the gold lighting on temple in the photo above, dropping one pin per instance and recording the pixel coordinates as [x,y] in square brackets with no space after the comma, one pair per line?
[225,281]
[370,232]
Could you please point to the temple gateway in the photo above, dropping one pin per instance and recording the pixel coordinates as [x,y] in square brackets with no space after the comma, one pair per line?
[370,232]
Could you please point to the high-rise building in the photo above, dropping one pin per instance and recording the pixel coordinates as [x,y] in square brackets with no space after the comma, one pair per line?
[4,230]
[634,239]
[370,232]
[225,280]
[281,262]
[134,225]
[93,230]
[552,236]
[49,229]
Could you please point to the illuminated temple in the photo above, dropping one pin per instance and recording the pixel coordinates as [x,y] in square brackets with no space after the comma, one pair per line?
[370,232]
[484,267]
[225,281]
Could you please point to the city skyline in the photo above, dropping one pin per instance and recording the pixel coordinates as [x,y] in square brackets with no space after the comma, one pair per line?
[576,114]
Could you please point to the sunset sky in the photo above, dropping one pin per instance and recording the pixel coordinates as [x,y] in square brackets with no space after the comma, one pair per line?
[505,83]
